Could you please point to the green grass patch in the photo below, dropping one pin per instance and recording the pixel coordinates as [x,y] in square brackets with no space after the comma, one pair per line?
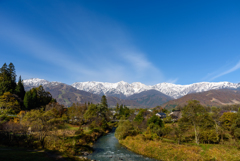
[168,140]
[86,130]
[72,127]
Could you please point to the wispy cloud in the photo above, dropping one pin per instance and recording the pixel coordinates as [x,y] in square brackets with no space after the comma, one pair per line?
[236,67]
[88,46]
[173,80]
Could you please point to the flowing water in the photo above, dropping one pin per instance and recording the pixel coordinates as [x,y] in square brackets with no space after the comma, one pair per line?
[107,148]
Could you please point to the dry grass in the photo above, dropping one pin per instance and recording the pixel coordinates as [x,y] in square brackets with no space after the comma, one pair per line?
[171,152]
[222,153]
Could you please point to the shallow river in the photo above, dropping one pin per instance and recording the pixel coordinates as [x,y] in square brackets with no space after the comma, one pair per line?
[107,148]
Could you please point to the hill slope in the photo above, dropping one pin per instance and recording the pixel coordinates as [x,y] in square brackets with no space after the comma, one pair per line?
[208,98]
[150,98]
[66,95]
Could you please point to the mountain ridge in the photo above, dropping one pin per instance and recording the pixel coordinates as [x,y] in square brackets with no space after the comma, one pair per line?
[123,89]
[218,97]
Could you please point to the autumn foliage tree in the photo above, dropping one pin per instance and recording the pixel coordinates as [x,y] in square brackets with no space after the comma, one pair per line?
[10,102]
[194,114]
[76,112]
[42,122]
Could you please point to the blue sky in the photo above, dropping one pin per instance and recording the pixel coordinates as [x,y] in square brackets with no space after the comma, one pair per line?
[151,42]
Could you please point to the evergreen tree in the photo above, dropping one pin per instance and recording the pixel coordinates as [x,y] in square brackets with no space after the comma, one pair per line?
[12,74]
[43,97]
[5,82]
[121,110]
[34,98]
[27,100]
[117,108]
[20,91]
[4,68]
[126,111]
[7,79]
[104,101]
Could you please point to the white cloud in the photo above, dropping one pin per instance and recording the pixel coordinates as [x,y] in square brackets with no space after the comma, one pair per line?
[94,48]
[236,67]
[173,80]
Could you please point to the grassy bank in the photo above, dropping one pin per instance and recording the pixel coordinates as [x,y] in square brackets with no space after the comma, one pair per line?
[170,151]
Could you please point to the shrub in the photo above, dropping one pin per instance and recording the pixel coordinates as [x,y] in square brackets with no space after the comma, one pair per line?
[209,136]
[156,121]
[237,132]
[125,128]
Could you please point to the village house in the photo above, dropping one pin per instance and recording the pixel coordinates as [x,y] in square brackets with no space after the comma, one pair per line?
[176,115]
[161,115]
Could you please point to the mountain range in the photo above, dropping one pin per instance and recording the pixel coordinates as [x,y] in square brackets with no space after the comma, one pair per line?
[134,94]
[208,98]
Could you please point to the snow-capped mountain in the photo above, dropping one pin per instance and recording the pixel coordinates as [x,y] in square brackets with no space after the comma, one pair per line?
[169,89]
[126,89]
[113,88]
[34,82]
[177,91]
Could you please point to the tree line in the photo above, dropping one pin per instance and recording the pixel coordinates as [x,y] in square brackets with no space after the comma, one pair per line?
[198,124]
[13,96]
[33,119]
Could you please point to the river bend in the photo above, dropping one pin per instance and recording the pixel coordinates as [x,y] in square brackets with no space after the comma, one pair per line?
[107,148]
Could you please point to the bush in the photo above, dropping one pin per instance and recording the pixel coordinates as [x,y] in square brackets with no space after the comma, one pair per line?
[237,132]
[156,121]
[209,136]
[125,128]
[104,125]
[93,125]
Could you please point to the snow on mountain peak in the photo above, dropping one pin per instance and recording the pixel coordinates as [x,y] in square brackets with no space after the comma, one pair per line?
[172,90]
[34,82]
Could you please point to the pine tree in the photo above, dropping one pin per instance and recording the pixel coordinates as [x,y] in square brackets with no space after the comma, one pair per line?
[117,108]
[121,110]
[5,82]
[7,79]
[104,101]
[20,91]
[12,75]
[34,98]
[27,100]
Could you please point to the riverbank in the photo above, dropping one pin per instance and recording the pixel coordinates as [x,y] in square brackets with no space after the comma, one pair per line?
[107,148]
[66,144]
[170,151]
